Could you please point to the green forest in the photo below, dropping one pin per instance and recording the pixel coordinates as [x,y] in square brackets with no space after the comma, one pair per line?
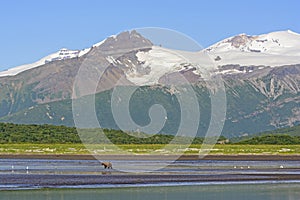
[50,134]
[272,139]
[283,136]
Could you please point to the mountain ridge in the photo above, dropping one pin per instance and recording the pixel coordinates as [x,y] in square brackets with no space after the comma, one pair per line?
[105,45]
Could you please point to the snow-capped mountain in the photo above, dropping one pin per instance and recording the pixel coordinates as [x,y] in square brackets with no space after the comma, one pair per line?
[238,55]
[272,49]
[261,75]
[267,50]
[62,54]
[112,43]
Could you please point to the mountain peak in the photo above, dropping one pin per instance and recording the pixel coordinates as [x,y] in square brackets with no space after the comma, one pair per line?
[240,40]
[271,49]
[269,42]
[125,40]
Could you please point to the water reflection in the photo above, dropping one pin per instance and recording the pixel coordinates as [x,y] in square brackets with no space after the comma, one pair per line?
[207,192]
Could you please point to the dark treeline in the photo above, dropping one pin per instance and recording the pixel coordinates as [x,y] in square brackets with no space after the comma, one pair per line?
[283,136]
[19,133]
[48,134]
[273,139]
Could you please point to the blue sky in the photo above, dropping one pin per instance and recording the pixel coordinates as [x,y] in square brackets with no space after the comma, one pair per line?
[32,29]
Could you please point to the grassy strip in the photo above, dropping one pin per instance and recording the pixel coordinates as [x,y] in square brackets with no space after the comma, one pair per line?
[73,149]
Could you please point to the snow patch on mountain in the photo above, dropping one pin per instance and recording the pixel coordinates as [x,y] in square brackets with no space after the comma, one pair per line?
[159,61]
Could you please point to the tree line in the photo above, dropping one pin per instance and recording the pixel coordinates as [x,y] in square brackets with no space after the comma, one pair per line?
[50,134]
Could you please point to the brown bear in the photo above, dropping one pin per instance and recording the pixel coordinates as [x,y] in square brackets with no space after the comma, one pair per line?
[107,165]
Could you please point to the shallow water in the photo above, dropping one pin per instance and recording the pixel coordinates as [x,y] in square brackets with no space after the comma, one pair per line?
[39,166]
[228,191]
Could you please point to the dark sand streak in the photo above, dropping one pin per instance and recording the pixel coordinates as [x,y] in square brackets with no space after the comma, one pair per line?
[33,180]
